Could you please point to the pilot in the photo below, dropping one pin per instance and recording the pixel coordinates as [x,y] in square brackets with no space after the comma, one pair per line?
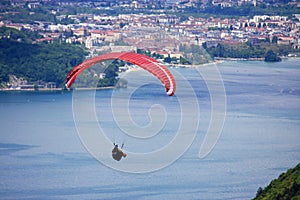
[118,153]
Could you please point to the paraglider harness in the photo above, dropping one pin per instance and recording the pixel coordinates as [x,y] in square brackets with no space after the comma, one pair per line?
[117,153]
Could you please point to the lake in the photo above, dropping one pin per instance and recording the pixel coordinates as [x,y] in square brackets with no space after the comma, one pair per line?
[46,153]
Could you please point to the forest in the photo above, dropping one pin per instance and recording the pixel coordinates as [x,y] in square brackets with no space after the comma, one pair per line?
[36,62]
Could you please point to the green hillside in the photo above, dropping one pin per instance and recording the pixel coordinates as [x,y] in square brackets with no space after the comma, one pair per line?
[36,62]
[285,187]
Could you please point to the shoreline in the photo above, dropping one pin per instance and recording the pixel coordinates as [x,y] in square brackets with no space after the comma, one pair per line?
[53,89]
[215,62]
[240,59]
[30,90]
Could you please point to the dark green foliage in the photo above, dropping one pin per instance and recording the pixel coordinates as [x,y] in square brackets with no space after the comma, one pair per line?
[145,52]
[111,74]
[194,54]
[21,36]
[247,50]
[38,62]
[286,187]
[167,59]
[107,82]
[259,191]
[113,68]
[274,39]
[184,61]
[272,57]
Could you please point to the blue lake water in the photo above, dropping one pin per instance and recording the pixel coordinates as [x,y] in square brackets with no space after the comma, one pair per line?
[42,156]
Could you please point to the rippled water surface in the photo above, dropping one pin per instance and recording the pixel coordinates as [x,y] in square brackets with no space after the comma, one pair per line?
[42,156]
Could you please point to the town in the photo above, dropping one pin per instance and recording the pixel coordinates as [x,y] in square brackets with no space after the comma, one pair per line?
[159,32]
[155,27]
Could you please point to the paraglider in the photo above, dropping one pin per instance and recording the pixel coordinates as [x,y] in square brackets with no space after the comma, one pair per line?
[117,153]
[145,62]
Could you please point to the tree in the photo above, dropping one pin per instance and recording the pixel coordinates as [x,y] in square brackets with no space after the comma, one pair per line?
[259,191]
[220,50]
[168,59]
[274,39]
[272,57]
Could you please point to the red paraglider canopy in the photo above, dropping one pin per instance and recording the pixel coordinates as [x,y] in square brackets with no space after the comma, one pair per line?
[145,62]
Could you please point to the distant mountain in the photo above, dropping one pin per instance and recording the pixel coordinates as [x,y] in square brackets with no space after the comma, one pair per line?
[285,187]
